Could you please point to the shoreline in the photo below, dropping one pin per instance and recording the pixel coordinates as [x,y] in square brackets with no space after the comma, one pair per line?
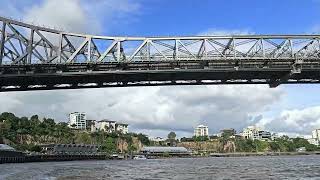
[57,158]
[244,154]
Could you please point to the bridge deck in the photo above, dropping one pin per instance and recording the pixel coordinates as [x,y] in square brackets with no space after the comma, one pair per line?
[44,77]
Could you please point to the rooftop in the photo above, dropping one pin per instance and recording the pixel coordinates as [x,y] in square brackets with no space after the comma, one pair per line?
[106,120]
[124,124]
[164,149]
[202,126]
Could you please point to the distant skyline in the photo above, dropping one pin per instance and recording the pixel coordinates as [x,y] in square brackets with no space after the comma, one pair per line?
[291,109]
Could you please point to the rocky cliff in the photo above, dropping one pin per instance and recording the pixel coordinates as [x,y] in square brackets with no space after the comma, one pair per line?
[209,146]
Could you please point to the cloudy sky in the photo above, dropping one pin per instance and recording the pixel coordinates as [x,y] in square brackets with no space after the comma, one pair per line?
[292,109]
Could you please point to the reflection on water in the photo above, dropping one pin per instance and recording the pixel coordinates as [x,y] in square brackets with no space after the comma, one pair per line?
[285,167]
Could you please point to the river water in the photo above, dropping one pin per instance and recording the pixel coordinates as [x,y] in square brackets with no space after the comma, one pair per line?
[280,167]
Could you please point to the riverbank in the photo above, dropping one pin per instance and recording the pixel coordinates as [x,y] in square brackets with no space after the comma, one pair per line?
[237,154]
[19,158]
[243,154]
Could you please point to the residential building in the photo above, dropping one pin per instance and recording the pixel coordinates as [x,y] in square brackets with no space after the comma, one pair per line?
[264,135]
[274,136]
[122,128]
[91,125]
[106,125]
[77,120]
[201,130]
[316,134]
[251,132]
[255,133]
[314,141]
[110,126]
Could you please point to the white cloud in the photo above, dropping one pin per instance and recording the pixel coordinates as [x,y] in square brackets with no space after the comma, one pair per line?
[79,16]
[301,121]
[158,109]
[69,15]
[221,32]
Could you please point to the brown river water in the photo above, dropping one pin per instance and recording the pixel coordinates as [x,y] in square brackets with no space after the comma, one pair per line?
[276,167]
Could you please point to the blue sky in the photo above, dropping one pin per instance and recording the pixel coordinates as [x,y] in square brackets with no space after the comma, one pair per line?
[292,109]
[189,17]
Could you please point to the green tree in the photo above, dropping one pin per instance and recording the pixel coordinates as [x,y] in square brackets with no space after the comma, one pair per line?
[300,142]
[311,147]
[261,146]
[131,148]
[245,145]
[172,135]
[21,130]
[200,138]
[143,139]
[274,146]
[83,138]
[109,145]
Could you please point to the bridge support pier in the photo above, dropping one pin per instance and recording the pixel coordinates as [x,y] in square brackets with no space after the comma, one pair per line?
[296,69]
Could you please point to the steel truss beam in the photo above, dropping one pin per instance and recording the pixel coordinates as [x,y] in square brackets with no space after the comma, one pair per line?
[29,49]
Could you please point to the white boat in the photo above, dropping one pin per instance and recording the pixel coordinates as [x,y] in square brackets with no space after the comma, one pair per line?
[140,157]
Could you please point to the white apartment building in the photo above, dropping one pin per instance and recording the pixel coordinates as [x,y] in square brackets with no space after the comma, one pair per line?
[315,140]
[251,132]
[316,134]
[256,133]
[106,125]
[122,128]
[201,130]
[110,126]
[77,120]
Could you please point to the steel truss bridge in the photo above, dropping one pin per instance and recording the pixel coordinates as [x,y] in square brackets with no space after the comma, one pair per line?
[40,58]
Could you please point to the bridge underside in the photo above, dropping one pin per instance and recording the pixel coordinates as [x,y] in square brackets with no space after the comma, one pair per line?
[74,76]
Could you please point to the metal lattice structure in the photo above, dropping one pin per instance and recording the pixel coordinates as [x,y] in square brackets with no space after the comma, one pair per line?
[39,58]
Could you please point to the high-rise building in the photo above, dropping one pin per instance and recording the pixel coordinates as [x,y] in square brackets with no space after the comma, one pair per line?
[315,140]
[77,120]
[316,134]
[201,130]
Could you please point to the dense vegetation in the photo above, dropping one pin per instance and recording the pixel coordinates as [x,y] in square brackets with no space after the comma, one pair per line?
[282,144]
[237,144]
[28,133]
